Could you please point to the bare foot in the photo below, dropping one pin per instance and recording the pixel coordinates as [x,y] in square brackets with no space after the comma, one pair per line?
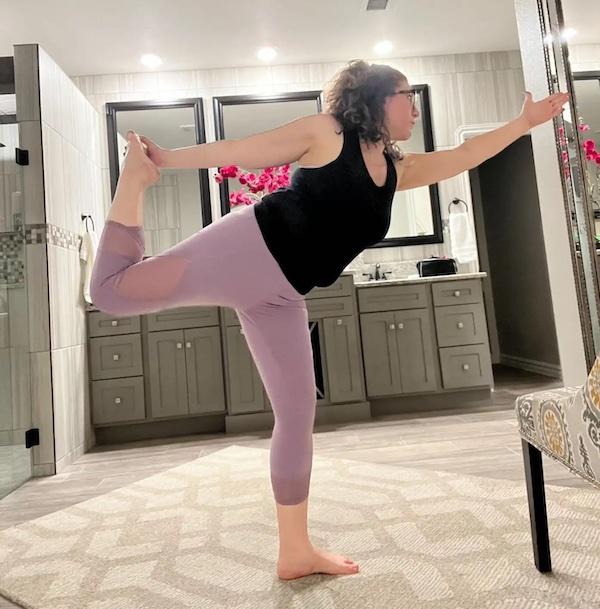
[137,164]
[317,561]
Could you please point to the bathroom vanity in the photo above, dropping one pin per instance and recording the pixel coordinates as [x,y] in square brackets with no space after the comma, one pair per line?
[379,347]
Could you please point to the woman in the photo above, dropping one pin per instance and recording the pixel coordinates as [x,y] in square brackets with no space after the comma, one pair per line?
[262,260]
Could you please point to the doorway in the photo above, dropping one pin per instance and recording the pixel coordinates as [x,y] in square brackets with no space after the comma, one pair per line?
[510,243]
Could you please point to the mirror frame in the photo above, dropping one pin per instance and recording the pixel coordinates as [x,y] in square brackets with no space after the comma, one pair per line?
[113,151]
[233,100]
[434,193]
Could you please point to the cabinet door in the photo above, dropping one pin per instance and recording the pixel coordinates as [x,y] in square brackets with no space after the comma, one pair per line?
[204,364]
[168,383]
[416,350]
[245,385]
[342,353]
[380,353]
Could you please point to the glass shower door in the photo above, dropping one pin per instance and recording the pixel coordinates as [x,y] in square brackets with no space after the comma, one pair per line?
[15,387]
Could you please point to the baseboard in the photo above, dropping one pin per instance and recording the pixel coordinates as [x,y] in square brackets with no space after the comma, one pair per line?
[531,365]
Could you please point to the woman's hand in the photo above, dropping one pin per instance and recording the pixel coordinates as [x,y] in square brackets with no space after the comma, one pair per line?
[156,154]
[536,113]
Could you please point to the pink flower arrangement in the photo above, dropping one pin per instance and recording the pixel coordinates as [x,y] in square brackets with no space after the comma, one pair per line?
[268,181]
[589,147]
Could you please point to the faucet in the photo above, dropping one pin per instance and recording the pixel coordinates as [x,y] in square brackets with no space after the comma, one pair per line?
[377,275]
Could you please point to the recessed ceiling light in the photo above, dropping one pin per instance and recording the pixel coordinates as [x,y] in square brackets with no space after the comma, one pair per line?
[267,54]
[150,61]
[568,33]
[383,48]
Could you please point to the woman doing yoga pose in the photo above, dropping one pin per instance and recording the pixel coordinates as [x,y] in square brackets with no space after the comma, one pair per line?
[262,260]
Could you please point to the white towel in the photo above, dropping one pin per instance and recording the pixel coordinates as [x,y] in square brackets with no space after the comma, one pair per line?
[87,253]
[464,248]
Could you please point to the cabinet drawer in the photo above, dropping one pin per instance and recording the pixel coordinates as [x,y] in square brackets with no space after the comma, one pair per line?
[329,307]
[118,400]
[183,317]
[460,325]
[468,366]
[116,356]
[342,286]
[457,292]
[393,297]
[102,324]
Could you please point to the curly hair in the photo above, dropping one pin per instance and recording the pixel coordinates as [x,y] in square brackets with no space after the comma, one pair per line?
[356,98]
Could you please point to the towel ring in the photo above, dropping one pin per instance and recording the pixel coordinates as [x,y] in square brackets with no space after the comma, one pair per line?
[456,202]
[85,217]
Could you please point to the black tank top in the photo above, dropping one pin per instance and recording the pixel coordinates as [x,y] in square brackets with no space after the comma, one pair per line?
[328,215]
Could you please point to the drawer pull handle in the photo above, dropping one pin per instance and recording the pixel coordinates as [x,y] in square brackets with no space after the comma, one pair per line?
[392,327]
[339,322]
[117,400]
[188,345]
[457,292]
[460,324]
[400,325]
[241,331]
[465,366]
[114,322]
[116,357]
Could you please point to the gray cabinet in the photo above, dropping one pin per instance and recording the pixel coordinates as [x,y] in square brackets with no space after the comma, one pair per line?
[380,354]
[424,337]
[116,368]
[462,334]
[185,372]
[414,337]
[159,366]
[398,352]
[343,359]
[246,392]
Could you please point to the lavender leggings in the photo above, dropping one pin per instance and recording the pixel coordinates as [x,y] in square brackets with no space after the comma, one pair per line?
[227,263]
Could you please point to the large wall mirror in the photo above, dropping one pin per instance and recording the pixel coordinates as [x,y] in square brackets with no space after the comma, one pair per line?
[178,205]
[580,175]
[415,218]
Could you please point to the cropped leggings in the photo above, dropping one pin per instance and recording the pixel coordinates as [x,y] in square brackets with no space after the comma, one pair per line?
[227,263]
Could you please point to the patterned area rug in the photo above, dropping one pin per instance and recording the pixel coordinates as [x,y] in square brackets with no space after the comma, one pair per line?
[204,535]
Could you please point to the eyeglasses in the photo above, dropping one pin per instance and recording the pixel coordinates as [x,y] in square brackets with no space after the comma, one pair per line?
[411,94]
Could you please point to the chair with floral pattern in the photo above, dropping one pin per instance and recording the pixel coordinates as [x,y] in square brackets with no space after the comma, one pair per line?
[564,424]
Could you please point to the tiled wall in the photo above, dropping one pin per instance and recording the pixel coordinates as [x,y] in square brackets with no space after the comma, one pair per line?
[63,180]
[478,88]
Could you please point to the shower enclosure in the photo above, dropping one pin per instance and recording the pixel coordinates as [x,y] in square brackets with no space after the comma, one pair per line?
[15,392]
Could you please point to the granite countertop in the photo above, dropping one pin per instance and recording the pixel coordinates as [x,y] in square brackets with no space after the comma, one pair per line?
[417,279]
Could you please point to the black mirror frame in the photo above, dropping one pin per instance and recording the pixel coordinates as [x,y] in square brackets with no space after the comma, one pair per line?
[192,102]
[232,100]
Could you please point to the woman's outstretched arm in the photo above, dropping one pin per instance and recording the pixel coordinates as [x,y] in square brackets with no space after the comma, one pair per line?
[279,146]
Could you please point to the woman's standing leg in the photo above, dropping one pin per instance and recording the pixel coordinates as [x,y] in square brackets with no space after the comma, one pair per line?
[278,337]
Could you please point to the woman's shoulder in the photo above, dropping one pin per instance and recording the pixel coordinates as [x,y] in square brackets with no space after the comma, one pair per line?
[327,120]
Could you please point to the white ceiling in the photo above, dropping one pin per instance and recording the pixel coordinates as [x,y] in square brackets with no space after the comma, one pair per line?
[87,37]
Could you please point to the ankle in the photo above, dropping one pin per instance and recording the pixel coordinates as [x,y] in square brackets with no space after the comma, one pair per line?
[296,549]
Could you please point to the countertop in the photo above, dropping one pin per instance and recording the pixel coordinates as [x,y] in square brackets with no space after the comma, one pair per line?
[392,281]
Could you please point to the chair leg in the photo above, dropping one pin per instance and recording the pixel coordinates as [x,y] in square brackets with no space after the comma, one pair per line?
[536,496]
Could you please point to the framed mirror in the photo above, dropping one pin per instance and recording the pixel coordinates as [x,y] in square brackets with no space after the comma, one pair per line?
[178,205]
[578,173]
[238,116]
[415,218]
